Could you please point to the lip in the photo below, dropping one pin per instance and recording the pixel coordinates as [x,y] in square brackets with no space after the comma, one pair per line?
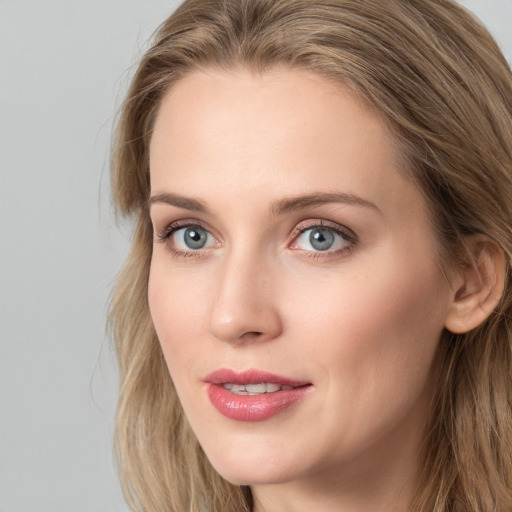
[255,407]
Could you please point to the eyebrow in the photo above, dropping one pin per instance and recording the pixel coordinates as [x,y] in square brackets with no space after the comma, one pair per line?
[180,201]
[280,207]
[311,200]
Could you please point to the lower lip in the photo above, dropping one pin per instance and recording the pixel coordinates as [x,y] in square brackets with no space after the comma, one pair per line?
[253,407]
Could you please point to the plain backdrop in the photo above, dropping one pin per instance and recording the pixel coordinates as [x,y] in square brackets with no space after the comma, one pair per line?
[64,65]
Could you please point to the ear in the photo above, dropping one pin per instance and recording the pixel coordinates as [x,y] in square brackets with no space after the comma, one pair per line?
[478,284]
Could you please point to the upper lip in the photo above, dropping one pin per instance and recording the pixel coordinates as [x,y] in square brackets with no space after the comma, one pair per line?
[252,376]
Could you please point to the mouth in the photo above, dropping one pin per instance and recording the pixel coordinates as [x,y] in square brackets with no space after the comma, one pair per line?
[253,395]
[254,389]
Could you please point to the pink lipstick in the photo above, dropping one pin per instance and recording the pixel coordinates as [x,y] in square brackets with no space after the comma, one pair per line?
[252,395]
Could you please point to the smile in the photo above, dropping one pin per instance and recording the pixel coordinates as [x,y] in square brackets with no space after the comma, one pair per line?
[253,395]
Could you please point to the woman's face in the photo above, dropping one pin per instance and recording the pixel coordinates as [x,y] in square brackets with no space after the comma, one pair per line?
[293,257]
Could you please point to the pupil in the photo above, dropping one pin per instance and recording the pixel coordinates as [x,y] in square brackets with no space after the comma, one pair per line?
[195,238]
[321,239]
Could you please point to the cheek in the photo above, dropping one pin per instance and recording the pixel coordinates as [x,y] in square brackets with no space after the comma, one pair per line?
[178,313]
[371,339]
[382,326]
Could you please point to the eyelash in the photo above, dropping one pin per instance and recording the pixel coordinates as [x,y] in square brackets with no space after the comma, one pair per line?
[165,235]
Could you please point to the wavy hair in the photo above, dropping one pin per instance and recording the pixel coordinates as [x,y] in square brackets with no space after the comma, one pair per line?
[439,79]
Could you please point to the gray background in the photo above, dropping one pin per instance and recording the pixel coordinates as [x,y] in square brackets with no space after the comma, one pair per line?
[64,67]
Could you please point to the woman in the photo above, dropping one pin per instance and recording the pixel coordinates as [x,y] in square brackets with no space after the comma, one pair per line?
[314,313]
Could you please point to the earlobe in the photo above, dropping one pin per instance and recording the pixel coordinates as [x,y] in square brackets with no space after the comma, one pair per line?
[479,285]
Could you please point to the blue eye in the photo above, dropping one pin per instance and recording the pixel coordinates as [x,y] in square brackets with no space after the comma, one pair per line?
[321,239]
[191,238]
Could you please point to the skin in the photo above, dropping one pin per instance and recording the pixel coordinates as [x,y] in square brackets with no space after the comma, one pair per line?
[360,322]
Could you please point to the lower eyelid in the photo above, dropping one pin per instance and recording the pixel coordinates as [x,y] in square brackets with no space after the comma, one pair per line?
[327,255]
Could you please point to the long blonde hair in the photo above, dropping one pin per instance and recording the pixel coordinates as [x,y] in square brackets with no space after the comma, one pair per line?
[438,77]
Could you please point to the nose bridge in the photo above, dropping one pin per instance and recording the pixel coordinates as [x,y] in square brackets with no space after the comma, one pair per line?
[244,306]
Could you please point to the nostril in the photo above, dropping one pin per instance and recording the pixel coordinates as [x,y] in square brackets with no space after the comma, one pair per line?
[251,335]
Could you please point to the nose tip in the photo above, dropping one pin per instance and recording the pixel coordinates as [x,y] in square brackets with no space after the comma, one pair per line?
[244,308]
[242,328]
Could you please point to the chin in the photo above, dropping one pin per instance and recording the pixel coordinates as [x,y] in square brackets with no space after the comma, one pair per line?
[254,468]
[254,476]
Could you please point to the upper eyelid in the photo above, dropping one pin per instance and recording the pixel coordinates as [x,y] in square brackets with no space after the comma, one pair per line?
[171,227]
[322,223]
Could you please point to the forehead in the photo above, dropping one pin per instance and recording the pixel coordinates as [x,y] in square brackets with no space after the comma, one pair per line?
[300,102]
[285,132]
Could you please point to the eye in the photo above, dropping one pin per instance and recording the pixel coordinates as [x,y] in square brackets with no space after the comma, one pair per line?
[191,238]
[321,238]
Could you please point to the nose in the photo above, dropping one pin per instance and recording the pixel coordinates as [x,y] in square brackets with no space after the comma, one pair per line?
[244,306]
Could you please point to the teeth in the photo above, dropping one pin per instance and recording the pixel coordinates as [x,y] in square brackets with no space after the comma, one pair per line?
[254,389]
